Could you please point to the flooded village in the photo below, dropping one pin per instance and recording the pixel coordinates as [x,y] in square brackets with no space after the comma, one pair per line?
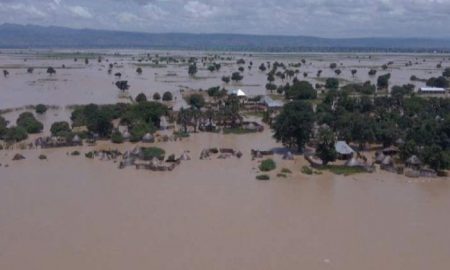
[190,159]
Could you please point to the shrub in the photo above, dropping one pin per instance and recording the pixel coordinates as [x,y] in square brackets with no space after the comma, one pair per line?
[196,100]
[60,129]
[267,165]
[41,108]
[42,157]
[29,123]
[263,177]
[75,153]
[141,98]
[156,96]
[15,134]
[153,152]
[167,96]
[281,175]
[89,155]
[116,137]
[307,170]
[285,170]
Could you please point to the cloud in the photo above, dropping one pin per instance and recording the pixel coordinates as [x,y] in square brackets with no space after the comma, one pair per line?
[80,11]
[199,10]
[329,18]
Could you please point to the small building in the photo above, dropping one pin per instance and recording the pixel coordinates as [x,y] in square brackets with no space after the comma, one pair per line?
[413,162]
[344,150]
[237,92]
[271,103]
[432,90]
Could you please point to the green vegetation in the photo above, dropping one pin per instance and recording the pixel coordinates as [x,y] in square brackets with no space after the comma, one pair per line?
[301,90]
[325,146]
[75,153]
[293,126]
[141,118]
[263,177]
[196,100]
[167,96]
[61,129]
[307,170]
[286,171]
[40,109]
[153,152]
[27,121]
[237,130]
[343,170]
[141,98]
[267,165]
[15,134]
[116,137]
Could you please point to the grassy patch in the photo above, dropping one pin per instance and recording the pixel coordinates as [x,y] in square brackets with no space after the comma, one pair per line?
[286,171]
[267,165]
[237,131]
[181,134]
[343,170]
[263,177]
[153,152]
[307,170]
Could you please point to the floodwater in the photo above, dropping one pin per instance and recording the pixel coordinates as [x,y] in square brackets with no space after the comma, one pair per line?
[79,83]
[74,213]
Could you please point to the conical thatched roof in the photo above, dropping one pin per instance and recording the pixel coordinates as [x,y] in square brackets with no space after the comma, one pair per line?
[148,138]
[185,156]
[18,157]
[76,139]
[353,162]
[413,160]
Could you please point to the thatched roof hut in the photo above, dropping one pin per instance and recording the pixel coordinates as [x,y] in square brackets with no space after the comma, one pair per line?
[391,151]
[76,139]
[185,156]
[353,162]
[413,162]
[148,138]
[18,157]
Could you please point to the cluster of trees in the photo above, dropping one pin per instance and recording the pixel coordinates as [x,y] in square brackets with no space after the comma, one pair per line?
[141,118]
[423,125]
[26,124]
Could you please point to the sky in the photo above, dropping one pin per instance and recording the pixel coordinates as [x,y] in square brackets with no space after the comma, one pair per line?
[323,18]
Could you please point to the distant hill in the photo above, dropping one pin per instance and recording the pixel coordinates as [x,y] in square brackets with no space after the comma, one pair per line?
[33,36]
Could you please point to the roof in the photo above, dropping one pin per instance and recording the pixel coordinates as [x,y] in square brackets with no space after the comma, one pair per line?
[343,148]
[237,92]
[431,89]
[269,102]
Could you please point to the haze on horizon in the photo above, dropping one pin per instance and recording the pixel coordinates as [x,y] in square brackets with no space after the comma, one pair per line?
[323,18]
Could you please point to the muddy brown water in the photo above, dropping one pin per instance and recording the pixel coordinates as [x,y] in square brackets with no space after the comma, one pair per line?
[74,213]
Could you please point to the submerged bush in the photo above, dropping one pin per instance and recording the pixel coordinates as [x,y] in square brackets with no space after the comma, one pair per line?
[41,108]
[263,177]
[307,170]
[153,152]
[267,165]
